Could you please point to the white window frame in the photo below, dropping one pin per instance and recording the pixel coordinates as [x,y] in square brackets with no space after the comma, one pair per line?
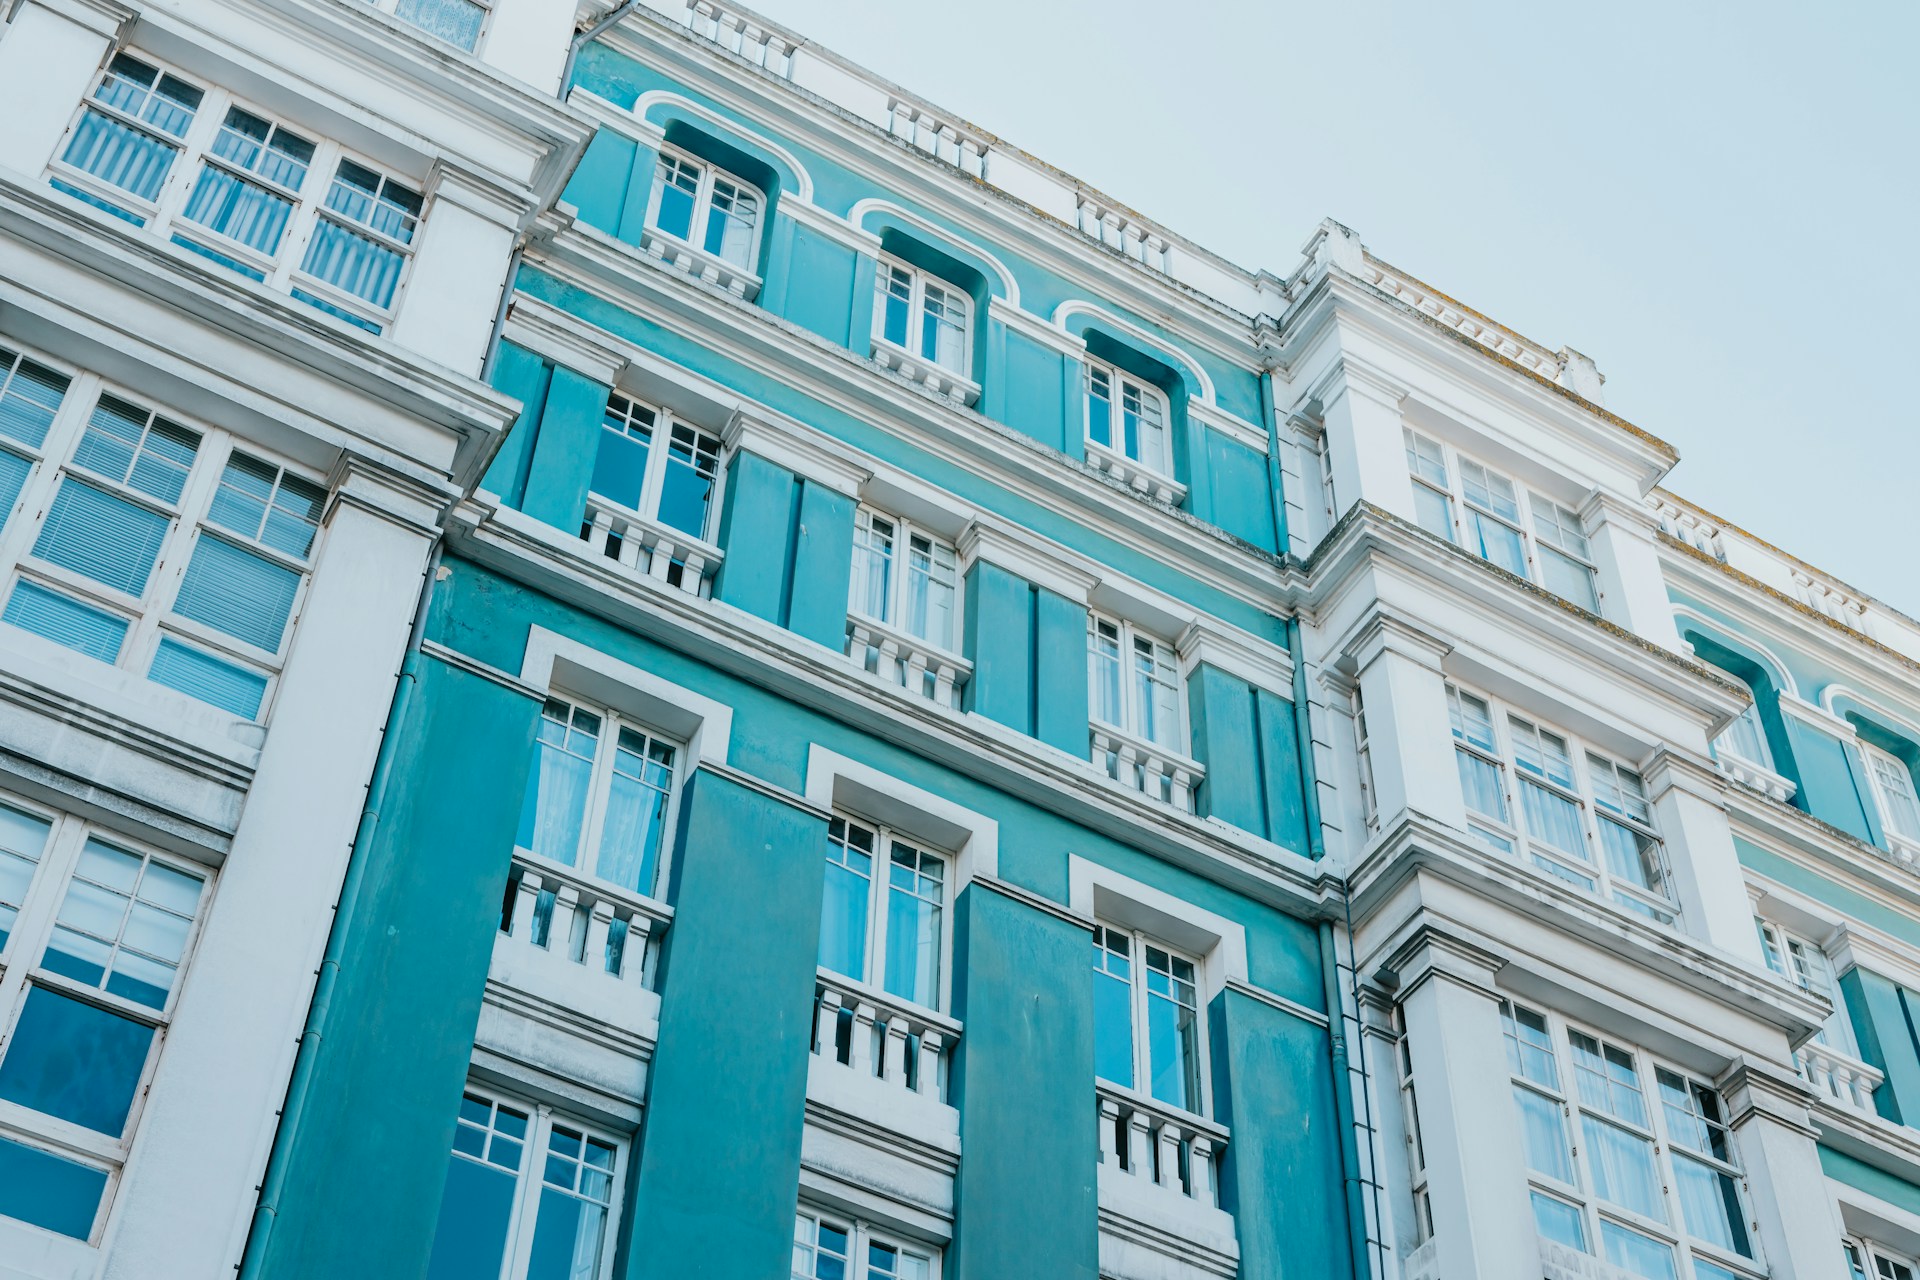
[1363,755]
[67,838]
[1410,1122]
[894,613]
[392,9]
[1724,745]
[1138,942]
[150,616]
[709,174]
[1869,1261]
[860,1234]
[880,890]
[600,790]
[1881,765]
[665,423]
[1129,637]
[1536,513]
[529,1179]
[164,217]
[1507,834]
[1582,1194]
[1120,384]
[1805,964]
[919,281]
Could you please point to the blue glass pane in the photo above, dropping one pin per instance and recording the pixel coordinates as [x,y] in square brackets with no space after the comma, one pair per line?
[620,467]
[567,1238]
[226,685]
[101,536]
[353,263]
[675,214]
[238,592]
[843,922]
[119,154]
[88,197]
[913,948]
[358,322]
[684,497]
[630,838]
[32,396]
[75,1062]
[1112,1029]
[214,255]
[239,210]
[64,620]
[13,475]
[455,21]
[471,1239]
[894,328]
[48,1191]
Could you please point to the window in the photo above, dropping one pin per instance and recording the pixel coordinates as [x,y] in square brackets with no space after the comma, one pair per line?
[147,543]
[599,796]
[673,485]
[242,189]
[94,932]
[1127,416]
[1521,531]
[1872,1262]
[1147,1031]
[1133,682]
[882,916]
[1806,966]
[458,22]
[1745,739]
[529,1195]
[1628,1160]
[1363,752]
[706,207]
[1416,1143]
[1580,816]
[905,577]
[1893,788]
[833,1247]
[922,315]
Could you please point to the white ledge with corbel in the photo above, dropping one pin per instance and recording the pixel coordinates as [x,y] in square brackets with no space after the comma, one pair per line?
[930,374]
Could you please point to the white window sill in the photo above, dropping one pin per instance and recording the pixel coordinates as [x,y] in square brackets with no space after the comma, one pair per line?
[1143,766]
[936,378]
[649,548]
[901,658]
[1757,776]
[689,259]
[1135,475]
[1905,850]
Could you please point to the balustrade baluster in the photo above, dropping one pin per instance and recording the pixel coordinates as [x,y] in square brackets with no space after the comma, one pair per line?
[599,921]
[894,1064]
[561,924]
[1167,1140]
[861,1059]
[1110,1133]
[525,899]
[1200,1169]
[633,950]
[826,1025]
[927,1075]
[1139,1144]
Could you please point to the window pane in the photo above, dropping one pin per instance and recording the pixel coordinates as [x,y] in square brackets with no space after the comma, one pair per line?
[238,592]
[732,220]
[49,1191]
[570,1229]
[1638,1255]
[102,536]
[215,681]
[693,460]
[470,1240]
[64,620]
[848,890]
[239,210]
[75,1062]
[30,394]
[620,464]
[556,797]
[1568,578]
[1103,664]
[1496,542]
[1559,1221]
[1113,1006]
[1632,856]
[1744,738]
[1099,406]
[916,888]
[1552,819]
[22,837]
[1529,1046]
[1545,1135]
[636,812]
[1433,511]
[129,445]
[895,287]
[1173,1046]
[932,578]
[1480,784]
[457,22]
[1623,1170]
[675,184]
[120,155]
[1710,1204]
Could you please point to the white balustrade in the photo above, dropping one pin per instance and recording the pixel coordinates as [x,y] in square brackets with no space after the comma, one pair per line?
[1135,475]
[902,658]
[1161,1146]
[738,33]
[1689,526]
[916,125]
[878,1037]
[1831,600]
[1839,1077]
[689,259]
[1757,776]
[1422,1264]
[935,377]
[650,549]
[595,925]
[1497,338]
[1153,770]
[1114,228]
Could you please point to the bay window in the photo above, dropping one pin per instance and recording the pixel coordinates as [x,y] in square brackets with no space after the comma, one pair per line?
[923,315]
[529,1195]
[225,180]
[1628,1160]
[1893,792]
[882,912]
[1805,965]
[831,1246]
[153,544]
[1147,1027]
[1519,529]
[1128,416]
[1572,812]
[905,578]
[94,934]
[704,206]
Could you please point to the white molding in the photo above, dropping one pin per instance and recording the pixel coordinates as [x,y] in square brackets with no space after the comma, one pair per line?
[1830,695]
[1264,665]
[1784,683]
[1234,427]
[706,726]
[801,449]
[1019,553]
[660,97]
[564,338]
[1098,892]
[836,782]
[1020,320]
[860,211]
[1818,717]
[828,224]
[1153,342]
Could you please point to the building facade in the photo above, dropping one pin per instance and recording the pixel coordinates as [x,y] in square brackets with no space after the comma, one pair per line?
[631,652]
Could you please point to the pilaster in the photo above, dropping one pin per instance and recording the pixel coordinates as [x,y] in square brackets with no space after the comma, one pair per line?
[1689,809]
[459,267]
[1365,442]
[1397,666]
[1623,537]
[1775,1140]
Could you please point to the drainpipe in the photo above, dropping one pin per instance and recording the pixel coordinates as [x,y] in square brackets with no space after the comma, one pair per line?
[1274,477]
[300,1086]
[500,312]
[582,39]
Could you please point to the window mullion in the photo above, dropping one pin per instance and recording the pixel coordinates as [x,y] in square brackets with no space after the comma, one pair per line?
[306,213]
[186,167]
[654,482]
[599,795]
[877,908]
[526,1198]
[1142,1052]
[702,208]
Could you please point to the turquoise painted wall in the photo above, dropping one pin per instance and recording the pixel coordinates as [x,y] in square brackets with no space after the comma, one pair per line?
[396,1048]
[789,549]
[1023,1080]
[726,1092]
[1883,1014]
[1248,740]
[1875,1182]
[546,462]
[526,377]
[1028,646]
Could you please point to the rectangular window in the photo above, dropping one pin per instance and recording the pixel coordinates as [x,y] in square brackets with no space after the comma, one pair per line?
[1126,415]
[906,578]
[1581,817]
[830,1246]
[229,182]
[1416,1141]
[529,1195]
[1893,786]
[652,465]
[151,544]
[95,933]
[1134,682]
[923,315]
[706,207]
[599,796]
[1522,531]
[1875,1262]
[1627,1159]
[1146,1025]
[1746,738]
[883,913]
[1806,966]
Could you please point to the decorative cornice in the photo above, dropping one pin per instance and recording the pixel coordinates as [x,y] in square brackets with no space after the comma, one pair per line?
[1432,952]
[1753,1088]
[107,18]
[1005,548]
[812,454]
[1381,632]
[565,339]
[1265,666]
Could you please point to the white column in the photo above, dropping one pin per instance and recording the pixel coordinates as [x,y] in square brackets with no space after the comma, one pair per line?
[1366,443]
[459,269]
[1798,1221]
[1689,811]
[47,58]
[528,40]
[1410,740]
[1476,1171]
[1624,537]
[210,1115]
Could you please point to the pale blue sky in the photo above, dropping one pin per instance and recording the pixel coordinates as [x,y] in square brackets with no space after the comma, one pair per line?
[1716,202]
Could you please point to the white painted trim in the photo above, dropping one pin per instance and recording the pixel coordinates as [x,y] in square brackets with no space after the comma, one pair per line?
[706,726]
[860,211]
[1784,682]
[1020,320]
[835,781]
[660,97]
[1077,307]
[1908,729]
[1818,717]
[1005,548]
[562,337]
[828,224]
[1264,665]
[801,449]
[1101,893]
[1234,427]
